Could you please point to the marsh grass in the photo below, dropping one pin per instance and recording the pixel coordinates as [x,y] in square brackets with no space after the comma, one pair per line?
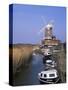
[20,56]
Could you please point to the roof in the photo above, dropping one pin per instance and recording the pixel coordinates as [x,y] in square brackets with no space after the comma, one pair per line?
[49,71]
[49,60]
[49,25]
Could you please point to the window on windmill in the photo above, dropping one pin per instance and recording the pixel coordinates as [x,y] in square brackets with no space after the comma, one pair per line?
[50,28]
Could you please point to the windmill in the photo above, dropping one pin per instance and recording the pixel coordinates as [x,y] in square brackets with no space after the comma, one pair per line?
[47,29]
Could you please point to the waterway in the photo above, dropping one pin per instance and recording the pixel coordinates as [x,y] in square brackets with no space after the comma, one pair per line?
[29,75]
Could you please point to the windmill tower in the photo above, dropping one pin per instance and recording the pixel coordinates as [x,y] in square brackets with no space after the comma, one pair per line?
[49,38]
[48,31]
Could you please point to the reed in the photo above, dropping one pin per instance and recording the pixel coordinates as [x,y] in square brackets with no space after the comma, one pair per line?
[20,56]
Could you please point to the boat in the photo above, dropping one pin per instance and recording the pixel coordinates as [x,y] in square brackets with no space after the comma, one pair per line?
[50,63]
[46,52]
[46,58]
[48,76]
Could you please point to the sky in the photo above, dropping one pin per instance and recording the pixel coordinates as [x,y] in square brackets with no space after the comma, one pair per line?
[28,20]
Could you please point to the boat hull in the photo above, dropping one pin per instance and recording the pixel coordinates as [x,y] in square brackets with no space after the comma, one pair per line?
[49,81]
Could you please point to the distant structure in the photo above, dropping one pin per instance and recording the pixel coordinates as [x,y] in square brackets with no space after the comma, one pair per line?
[49,38]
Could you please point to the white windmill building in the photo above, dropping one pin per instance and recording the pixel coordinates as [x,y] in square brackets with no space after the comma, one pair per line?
[49,39]
[48,31]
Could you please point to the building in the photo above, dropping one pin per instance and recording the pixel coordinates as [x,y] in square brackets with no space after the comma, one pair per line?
[50,42]
[50,39]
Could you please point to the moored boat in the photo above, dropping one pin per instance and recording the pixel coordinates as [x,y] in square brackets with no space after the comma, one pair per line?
[48,76]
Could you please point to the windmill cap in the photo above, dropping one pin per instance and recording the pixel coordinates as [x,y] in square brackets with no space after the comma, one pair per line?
[49,26]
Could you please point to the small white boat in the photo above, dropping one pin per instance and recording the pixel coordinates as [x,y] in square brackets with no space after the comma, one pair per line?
[50,63]
[34,54]
[48,76]
[46,51]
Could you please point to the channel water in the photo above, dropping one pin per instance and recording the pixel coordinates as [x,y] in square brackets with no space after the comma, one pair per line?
[29,75]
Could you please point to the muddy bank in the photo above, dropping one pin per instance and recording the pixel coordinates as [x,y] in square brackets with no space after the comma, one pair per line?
[20,54]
